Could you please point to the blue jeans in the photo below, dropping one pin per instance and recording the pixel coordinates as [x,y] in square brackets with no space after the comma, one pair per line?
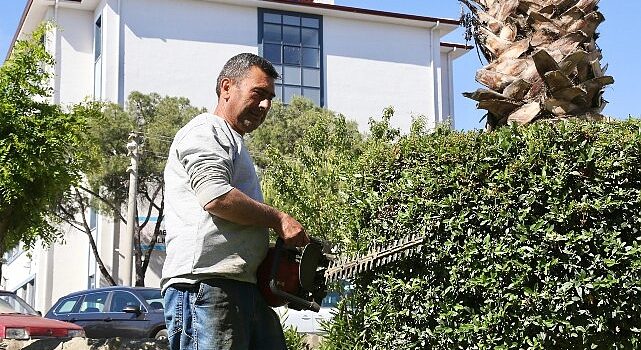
[220,314]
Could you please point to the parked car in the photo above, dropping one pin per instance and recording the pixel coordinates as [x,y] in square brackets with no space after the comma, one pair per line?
[307,321]
[20,321]
[126,312]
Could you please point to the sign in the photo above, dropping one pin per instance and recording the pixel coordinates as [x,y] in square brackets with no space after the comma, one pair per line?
[147,234]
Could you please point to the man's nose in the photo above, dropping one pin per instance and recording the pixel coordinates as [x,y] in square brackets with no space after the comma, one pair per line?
[265,104]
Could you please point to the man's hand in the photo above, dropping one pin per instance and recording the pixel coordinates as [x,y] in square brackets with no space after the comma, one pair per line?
[291,231]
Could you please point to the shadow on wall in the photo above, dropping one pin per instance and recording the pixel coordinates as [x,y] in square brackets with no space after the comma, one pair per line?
[155,264]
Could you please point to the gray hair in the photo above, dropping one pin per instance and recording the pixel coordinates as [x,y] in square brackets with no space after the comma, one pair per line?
[238,66]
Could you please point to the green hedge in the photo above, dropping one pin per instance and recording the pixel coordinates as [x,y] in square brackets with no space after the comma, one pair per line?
[532,232]
[533,241]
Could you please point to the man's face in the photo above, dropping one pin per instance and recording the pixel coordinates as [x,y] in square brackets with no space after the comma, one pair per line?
[250,98]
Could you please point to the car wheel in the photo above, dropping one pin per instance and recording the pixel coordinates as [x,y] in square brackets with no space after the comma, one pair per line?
[161,335]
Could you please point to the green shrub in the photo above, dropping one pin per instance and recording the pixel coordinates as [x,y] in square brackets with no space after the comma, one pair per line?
[295,340]
[532,233]
[532,240]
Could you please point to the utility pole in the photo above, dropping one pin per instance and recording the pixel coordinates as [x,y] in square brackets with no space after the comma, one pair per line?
[127,241]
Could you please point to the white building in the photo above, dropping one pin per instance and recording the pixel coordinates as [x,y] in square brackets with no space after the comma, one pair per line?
[350,60]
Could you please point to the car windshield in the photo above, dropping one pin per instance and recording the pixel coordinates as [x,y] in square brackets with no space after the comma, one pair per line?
[336,293]
[331,299]
[11,304]
[153,298]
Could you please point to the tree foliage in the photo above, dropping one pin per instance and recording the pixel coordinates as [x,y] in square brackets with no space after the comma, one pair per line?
[152,120]
[43,149]
[306,152]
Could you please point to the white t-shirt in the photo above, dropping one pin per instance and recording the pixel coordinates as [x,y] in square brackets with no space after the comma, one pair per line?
[206,160]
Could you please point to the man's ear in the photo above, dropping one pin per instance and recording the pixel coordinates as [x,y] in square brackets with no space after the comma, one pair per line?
[225,87]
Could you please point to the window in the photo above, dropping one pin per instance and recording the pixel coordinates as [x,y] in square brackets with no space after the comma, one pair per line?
[292,42]
[11,303]
[12,254]
[93,219]
[153,298]
[121,300]
[91,281]
[97,66]
[26,292]
[97,32]
[94,302]
[66,306]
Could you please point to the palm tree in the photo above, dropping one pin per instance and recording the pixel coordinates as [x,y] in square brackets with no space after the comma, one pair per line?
[543,60]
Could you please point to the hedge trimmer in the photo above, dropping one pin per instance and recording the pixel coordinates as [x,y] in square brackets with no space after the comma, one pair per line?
[298,277]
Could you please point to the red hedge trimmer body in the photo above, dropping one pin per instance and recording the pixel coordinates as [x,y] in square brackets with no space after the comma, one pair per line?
[298,277]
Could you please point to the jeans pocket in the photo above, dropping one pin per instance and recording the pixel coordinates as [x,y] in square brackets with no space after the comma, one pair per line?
[174,304]
[202,289]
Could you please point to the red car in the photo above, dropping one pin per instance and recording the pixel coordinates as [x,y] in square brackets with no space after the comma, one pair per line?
[20,321]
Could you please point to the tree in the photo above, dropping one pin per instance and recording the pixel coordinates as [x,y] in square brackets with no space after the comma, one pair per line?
[153,120]
[307,155]
[158,119]
[286,126]
[107,128]
[43,150]
[543,60]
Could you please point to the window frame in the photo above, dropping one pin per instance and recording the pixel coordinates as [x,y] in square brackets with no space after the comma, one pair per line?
[143,308]
[98,43]
[91,294]
[97,38]
[74,308]
[321,70]
[12,254]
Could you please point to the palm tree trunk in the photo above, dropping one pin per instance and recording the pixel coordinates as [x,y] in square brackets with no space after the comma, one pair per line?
[543,61]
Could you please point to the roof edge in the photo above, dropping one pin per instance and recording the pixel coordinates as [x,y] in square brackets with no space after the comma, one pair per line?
[367,11]
[304,4]
[456,50]
[456,45]
[19,28]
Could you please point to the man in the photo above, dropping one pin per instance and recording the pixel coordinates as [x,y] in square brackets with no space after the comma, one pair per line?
[217,226]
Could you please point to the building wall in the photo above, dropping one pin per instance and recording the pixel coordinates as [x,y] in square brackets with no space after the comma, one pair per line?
[108,245]
[109,65]
[179,48]
[370,66]
[18,270]
[44,274]
[74,48]
[55,271]
[69,265]
[367,65]
[65,267]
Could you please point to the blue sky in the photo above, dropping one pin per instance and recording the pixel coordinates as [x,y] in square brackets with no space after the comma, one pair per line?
[617,40]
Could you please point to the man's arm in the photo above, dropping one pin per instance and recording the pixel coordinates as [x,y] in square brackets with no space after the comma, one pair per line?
[239,208]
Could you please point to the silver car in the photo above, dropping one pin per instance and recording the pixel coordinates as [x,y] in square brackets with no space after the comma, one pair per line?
[307,321]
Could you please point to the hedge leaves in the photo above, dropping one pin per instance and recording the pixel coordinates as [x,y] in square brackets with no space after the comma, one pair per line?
[533,235]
